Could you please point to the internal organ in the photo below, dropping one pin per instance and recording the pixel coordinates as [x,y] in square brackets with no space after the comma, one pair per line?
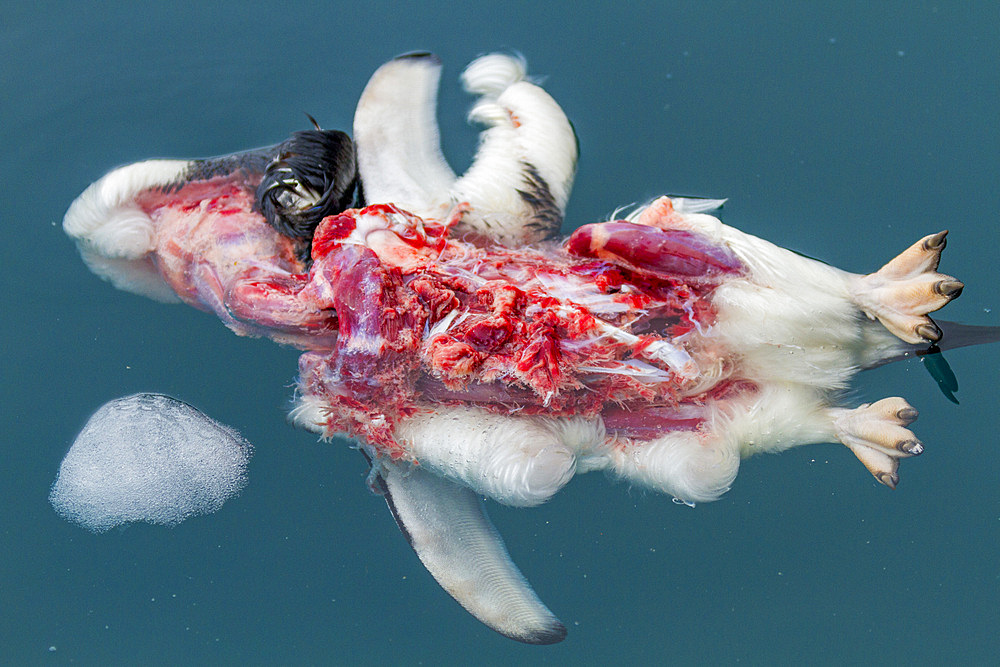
[608,323]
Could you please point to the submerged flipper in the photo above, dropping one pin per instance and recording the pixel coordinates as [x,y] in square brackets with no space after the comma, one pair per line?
[954,335]
[447,526]
[935,363]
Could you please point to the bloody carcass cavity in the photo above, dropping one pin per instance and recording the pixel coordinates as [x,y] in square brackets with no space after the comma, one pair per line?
[601,325]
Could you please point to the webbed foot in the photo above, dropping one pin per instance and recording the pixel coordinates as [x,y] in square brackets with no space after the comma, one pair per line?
[902,292]
[878,436]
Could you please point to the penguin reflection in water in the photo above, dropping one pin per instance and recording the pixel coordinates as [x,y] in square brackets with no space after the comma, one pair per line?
[469,354]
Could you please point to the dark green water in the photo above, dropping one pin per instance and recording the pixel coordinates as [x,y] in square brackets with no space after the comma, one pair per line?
[837,129]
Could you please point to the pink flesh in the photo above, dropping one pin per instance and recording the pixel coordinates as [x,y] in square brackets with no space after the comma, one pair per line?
[649,422]
[646,249]
[400,317]
[426,319]
[220,255]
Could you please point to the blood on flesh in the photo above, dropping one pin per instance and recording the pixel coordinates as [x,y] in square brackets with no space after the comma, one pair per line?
[597,325]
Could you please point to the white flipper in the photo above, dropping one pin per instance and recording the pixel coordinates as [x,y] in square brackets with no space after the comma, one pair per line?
[516,190]
[447,526]
[519,184]
[396,132]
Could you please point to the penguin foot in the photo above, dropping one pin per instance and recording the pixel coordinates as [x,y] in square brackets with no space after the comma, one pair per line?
[878,436]
[902,292]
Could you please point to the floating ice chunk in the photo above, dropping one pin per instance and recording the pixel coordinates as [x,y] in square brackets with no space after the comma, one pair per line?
[148,457]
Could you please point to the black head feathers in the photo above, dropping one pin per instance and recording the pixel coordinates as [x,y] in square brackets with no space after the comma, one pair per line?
[312,175]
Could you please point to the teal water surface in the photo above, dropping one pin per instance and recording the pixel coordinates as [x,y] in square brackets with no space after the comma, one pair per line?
[845,131]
